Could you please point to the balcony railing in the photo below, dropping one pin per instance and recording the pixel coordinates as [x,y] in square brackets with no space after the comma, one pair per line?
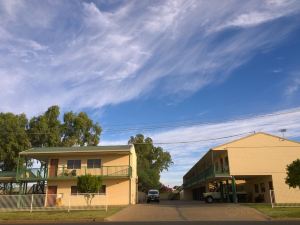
[205,175]
[32,174]
[105,171]
[63,172]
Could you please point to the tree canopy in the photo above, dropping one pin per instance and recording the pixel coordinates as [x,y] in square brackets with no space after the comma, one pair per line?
[293,174]
[79,129]
[88,184]
[151,161]
[47,130]
[13,139]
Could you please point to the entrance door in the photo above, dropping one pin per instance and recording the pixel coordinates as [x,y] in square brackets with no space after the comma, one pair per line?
[51,196]
[53,167]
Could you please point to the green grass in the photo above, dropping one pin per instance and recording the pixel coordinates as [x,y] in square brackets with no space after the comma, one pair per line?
[98,215]
[277,213]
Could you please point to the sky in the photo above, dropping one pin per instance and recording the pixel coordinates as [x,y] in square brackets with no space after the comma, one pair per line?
[197,73]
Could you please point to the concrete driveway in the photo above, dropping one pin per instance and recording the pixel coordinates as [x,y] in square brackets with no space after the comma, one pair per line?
[187,211]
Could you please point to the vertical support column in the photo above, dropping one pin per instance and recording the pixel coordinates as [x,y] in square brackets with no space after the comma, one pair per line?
[234,194]
[10,188]
[212,161]
[20,188]
[222,191]
[18,165]
[227,191]
[26,186]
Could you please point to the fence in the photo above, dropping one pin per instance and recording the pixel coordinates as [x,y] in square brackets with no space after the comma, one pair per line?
[286,199]
[43,202]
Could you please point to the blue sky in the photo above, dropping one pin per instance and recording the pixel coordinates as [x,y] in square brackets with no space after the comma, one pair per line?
[174,70]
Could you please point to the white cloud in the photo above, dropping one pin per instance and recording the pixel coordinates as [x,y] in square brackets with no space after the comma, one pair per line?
[293,87]
[82,55]
[261,13]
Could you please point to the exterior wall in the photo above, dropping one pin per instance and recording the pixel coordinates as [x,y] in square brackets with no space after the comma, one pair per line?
[284,194]
[134,177]
[187,194]
[257,155]
[121,191]
[250,189]
[106,160]
[117,192]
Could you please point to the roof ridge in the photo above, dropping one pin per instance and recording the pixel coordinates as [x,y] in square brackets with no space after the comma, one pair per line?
[256,133]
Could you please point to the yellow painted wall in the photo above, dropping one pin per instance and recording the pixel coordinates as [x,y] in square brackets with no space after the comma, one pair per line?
[106,159]
[134,177]
[263,154]
[119,191]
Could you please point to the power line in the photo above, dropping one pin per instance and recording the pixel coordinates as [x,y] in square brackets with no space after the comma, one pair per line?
[165,125]
[192,123]
[195,141]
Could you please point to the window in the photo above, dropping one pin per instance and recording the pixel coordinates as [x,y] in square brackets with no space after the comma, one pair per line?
[256,189]
[262,187]
[270,185]
[74,164]
[93,163]
[102,189]
[74,190]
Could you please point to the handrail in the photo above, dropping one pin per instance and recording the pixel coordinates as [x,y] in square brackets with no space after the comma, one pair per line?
[203,175]
[64,172]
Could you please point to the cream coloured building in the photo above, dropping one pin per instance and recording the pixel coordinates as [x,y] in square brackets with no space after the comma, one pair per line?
[251,166]
[60,167]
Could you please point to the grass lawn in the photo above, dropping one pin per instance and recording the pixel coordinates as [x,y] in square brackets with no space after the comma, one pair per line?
[277,213]
[60,215]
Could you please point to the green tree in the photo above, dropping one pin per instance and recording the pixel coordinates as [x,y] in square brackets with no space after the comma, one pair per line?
[13,139]
[45,130]
[79,129]
[151,161]
[293,174]
[89,185]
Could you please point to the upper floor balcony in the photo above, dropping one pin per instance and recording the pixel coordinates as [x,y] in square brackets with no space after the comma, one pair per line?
[62,172]
[213,165]
[207,174]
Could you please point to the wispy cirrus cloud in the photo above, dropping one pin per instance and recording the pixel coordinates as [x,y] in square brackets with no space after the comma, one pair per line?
[294,85]
[87,55]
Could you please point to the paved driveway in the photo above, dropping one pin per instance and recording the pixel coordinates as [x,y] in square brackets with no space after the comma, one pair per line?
[187,211]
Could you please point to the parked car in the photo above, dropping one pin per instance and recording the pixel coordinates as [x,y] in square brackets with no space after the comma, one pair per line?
[153,196]
[211,197]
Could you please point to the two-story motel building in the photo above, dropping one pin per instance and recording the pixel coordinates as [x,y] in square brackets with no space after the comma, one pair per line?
[60,167]
[254,164]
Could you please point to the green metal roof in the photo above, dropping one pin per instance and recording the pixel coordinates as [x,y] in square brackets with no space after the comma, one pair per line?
[108,148]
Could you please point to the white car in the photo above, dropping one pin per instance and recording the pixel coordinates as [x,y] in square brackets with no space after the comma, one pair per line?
[153,196]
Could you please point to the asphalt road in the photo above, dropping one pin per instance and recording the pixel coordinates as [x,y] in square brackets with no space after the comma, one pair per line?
[186,211]
[279,222]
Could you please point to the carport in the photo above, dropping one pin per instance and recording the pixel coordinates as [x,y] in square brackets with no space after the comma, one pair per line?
[224,184]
